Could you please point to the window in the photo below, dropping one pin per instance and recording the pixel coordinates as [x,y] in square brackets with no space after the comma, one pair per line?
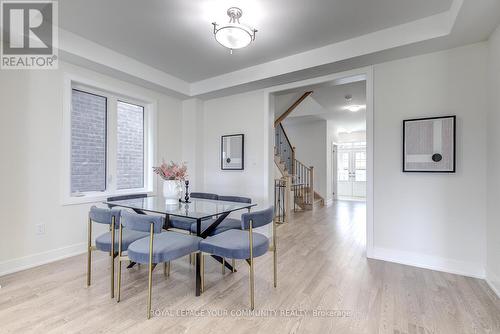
[130,152]
[360,166]
[88,142]
[110,145]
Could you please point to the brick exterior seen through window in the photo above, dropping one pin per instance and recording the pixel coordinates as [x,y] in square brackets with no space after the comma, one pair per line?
[88,142]
[130,151]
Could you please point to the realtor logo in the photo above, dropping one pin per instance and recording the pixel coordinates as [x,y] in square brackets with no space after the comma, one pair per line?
[29,35]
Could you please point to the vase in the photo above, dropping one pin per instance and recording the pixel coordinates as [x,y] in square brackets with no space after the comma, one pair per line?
[172,191]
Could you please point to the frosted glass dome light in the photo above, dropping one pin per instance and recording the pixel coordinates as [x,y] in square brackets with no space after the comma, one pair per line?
[234,35]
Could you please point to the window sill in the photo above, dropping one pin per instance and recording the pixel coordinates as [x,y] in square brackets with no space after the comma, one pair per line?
[102,196]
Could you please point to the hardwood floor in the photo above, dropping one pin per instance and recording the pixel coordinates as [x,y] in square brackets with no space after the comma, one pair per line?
[322,266]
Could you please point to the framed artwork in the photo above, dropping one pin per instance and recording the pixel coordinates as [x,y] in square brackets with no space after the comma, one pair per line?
[233,152]
[429,145]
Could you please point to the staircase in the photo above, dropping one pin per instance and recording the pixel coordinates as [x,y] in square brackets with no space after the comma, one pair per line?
[298,175]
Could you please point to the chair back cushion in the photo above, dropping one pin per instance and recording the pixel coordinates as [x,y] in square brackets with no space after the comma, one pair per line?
[104,216]
[204,195]
[235,199]
[258,218]
[124,197]
[141,223]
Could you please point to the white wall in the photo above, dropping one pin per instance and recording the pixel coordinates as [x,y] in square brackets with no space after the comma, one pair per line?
[30,170]
[192,142]
[493,174]
[236,114]
[432,220]
[310,140]
[242,113]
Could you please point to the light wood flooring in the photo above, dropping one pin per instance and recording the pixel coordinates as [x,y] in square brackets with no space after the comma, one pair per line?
[322,266]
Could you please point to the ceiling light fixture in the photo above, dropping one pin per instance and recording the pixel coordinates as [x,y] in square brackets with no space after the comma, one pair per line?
[234,35]
[352,107]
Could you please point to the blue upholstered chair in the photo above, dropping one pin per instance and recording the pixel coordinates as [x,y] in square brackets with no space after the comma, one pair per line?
[183,223]
[124,197]
[243,244]
[159,247]
[235,199]
[225,225]
[204,195]
[108,242]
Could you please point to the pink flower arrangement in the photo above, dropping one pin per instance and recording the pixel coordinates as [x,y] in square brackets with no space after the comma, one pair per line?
[172,171]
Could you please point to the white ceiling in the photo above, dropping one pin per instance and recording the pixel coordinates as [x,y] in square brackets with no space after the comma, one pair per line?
[331,101]
[176,37]
[168,45]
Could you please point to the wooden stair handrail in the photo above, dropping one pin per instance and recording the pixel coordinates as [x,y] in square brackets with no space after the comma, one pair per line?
[292,107]
[305,190]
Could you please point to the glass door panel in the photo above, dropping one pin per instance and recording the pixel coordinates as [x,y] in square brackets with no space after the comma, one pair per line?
[351,171]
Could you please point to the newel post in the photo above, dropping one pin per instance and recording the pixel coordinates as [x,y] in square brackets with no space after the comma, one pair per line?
[288,197]
[311,184]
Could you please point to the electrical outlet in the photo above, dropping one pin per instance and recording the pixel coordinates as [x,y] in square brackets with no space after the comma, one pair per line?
[40,229]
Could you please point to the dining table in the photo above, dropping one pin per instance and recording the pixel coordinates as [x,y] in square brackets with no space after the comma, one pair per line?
[196,209]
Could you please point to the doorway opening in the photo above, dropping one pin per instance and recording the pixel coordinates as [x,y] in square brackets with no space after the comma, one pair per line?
[328,118]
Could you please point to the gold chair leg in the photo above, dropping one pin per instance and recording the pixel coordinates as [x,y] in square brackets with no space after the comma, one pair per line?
[150,278]
[150,288]
[112,257]
[233,264]
[119,280]
[166,268]
[275,256]
[89,251]
[192,259]
[251,285]
[250,239]
[119,263]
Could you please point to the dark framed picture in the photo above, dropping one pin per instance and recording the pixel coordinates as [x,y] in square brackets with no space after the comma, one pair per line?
[233,152]
[429,145]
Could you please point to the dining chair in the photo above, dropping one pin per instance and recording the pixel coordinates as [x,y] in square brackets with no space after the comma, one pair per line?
[108,241]
[124,197]
[159,247]
[227,224]
[183,223]
[243,244]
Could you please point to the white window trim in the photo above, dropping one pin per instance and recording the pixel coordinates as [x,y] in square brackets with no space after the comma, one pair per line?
[150,140]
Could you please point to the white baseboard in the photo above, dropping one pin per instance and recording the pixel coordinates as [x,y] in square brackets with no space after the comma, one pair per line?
[30,261]
[429,262]
[494,283]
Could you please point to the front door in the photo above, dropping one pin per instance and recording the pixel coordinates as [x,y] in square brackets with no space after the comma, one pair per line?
[351,171]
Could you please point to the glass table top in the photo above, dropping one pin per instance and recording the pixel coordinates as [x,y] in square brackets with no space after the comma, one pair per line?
[197,209]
